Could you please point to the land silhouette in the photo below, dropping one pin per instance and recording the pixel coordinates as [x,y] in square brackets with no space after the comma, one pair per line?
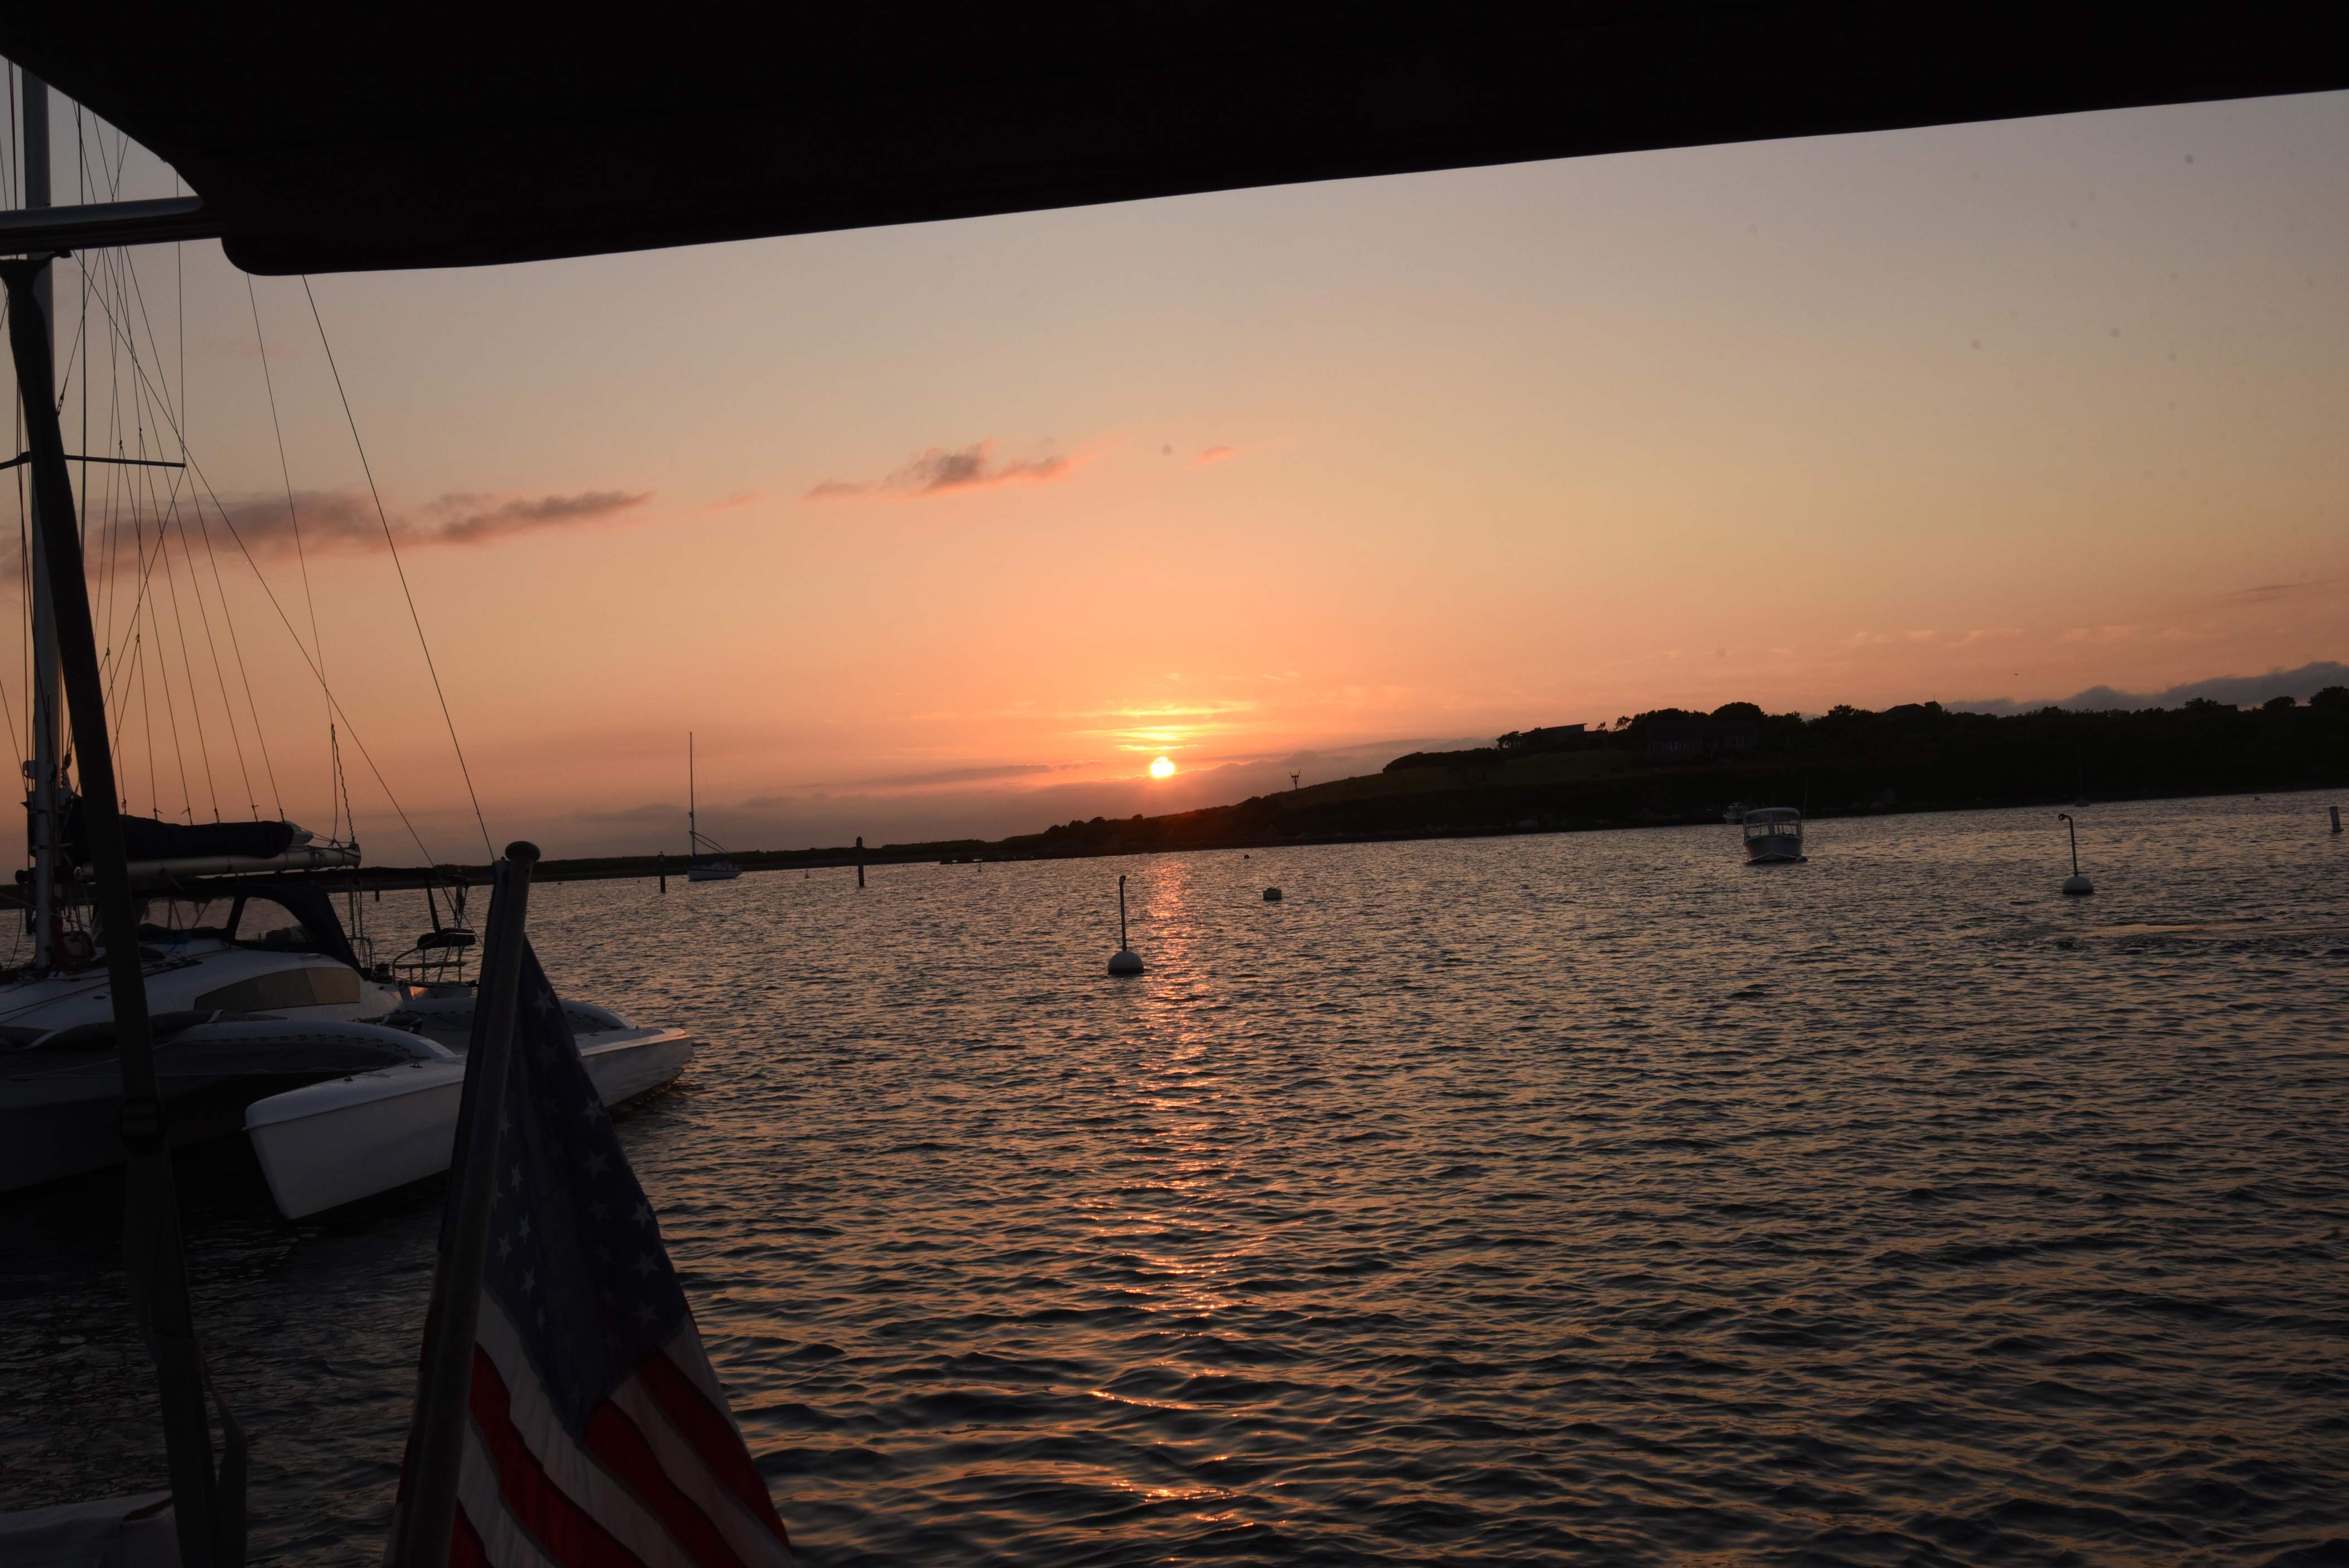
[1669,767]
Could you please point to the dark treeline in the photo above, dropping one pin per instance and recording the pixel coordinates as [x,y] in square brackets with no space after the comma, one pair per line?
[1669,767]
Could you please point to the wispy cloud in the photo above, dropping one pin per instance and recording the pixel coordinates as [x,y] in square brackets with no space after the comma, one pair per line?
[983,774]
[332,520]
[1982,635]
[1209,456]
[943,470]
[2267,593]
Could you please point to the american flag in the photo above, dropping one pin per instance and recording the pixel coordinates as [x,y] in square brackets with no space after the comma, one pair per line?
[598,1434]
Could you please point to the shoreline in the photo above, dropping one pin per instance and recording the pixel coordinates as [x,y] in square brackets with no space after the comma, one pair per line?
[631,868]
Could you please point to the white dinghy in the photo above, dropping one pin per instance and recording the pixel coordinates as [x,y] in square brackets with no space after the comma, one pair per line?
[331,1144]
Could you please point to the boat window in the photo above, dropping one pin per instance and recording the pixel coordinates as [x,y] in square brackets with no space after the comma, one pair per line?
[169,919]
[263,922]
[315,985]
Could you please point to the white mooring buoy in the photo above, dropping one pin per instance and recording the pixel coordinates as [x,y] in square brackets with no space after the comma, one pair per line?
[1272,896]
[2075,882]
[1124,960]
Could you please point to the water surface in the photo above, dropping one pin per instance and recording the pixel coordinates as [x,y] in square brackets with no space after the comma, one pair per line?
[1560,1198]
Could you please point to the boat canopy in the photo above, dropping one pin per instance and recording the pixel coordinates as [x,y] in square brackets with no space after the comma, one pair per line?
[376,142]
[307,904]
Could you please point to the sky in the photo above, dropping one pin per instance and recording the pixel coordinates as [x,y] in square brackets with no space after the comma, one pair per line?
[953,529]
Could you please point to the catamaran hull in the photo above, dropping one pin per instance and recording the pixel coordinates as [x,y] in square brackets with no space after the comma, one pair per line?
[334,1143]
[61,1110]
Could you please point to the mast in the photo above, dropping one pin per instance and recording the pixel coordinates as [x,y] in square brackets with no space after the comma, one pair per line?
[42,771]
[692,827]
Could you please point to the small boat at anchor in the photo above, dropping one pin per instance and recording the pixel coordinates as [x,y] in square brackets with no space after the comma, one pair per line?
[1773,834]
[708,860]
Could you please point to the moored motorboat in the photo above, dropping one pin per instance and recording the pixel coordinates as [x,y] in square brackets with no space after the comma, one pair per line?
[1773,834]
[332,1143]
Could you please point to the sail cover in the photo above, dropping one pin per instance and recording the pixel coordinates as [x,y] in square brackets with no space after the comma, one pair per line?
[363,140]
[150,839]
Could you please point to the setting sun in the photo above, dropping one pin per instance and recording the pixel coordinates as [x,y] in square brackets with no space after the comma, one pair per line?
[1162,768]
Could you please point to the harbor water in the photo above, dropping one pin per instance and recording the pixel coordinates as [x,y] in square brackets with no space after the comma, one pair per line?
[1575,1198]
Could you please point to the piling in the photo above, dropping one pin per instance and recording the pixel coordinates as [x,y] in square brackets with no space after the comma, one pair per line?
[2336,818]
[660,867]
[860,860]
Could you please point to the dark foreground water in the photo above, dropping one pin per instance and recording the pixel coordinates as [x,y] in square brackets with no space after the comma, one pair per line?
[1587,1198]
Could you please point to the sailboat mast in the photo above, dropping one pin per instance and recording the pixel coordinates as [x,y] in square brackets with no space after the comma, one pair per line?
[692,826]
[42,771]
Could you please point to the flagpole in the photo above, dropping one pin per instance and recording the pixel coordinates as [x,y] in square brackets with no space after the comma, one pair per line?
[427,1511]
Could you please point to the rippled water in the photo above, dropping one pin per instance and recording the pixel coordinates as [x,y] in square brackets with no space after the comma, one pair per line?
[1585,1197]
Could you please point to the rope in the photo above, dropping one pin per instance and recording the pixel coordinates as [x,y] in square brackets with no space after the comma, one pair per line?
[415,619]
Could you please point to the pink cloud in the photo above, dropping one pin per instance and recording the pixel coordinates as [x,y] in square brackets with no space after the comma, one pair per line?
[943,470]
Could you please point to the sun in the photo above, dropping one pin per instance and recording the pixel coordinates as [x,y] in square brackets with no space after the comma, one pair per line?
[1162,768]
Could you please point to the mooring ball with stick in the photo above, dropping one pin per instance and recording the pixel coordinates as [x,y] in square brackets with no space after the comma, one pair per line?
[1124,960]
[2075,882]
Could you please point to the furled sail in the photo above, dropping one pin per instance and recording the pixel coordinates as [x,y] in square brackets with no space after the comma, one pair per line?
[157,847]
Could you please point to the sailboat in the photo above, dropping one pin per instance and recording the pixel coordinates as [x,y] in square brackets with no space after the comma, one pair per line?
[247,1005]
[709,862]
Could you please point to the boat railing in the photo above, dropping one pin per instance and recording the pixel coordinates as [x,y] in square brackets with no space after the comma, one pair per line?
[441,957]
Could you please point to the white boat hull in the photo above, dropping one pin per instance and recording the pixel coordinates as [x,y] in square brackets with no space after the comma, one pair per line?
[334,1143]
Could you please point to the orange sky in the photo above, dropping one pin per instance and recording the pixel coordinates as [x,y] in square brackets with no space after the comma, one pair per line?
[954,527]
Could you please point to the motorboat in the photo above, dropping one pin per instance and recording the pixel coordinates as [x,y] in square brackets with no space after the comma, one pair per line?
[1773,834]
[380,1127]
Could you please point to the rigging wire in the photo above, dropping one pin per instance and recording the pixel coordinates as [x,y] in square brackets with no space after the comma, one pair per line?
[293,512]
[414,618]
[195,470]
[236,645]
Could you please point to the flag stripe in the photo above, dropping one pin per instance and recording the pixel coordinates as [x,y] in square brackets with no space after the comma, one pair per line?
[504,1543]
[711,1432]
[576,1472]
[615,1440]
[465,1548]
[744,1532]
[569,1534]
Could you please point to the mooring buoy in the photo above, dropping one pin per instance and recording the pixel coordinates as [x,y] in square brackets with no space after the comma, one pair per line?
[2075,882]
[1272,896]
[1124,960]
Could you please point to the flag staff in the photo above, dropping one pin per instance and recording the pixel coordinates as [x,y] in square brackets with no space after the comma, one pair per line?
[426,1514]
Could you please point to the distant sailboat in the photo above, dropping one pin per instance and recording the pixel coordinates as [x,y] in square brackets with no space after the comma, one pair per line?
[708,862]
